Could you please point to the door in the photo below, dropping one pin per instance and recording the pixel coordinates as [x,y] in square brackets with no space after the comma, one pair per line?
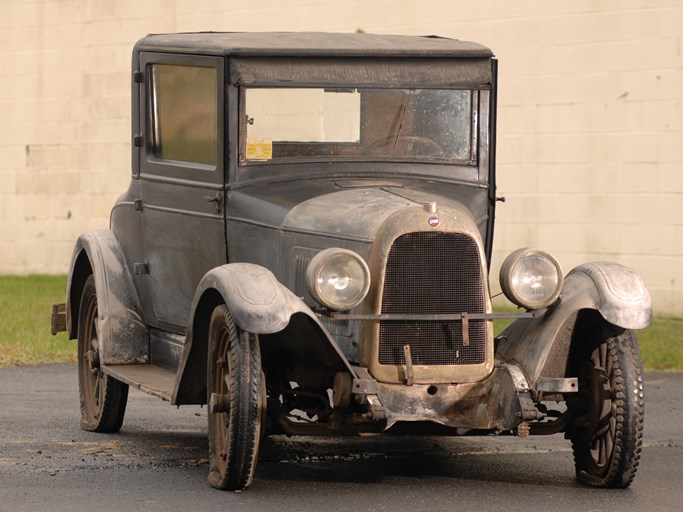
[182,176]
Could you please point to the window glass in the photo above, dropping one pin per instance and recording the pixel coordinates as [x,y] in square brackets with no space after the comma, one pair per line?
[304,115]
[358,124]
[184,113]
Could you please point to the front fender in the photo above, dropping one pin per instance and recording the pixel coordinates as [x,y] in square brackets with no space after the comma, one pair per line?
[256,300]
[122,333]
[260,304]
[615,291]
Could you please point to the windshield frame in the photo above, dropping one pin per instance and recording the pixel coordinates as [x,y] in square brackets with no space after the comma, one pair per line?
[472,161]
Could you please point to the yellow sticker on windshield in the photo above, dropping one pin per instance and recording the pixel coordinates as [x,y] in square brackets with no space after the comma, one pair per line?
[259,149]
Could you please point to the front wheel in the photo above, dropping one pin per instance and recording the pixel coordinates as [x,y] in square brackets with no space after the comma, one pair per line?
[103,398]
[608,440]
[237,402]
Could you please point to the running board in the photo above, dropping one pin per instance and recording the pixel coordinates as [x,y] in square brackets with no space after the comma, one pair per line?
[153,380]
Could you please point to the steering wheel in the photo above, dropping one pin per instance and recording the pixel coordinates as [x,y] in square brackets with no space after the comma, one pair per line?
[406,142]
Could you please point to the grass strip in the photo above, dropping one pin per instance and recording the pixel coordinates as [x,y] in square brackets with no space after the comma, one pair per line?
[25,307]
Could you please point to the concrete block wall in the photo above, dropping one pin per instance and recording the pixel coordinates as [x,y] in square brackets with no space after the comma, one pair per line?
[590,117]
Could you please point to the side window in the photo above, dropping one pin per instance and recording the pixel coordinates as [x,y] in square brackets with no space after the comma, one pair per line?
[184,113]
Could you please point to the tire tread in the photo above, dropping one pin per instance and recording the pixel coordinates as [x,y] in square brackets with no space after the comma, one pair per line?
[624,355]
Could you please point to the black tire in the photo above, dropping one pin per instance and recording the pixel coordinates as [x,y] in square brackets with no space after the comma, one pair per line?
[103,398]
[608,443]
[237,402]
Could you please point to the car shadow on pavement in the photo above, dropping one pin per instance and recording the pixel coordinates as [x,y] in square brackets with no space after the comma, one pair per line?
[376,459]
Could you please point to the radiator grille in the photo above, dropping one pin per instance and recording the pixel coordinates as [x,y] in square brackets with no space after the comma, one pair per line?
[433,273]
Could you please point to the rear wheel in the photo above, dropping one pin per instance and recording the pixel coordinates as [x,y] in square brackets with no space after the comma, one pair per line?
[608,440]
[237,402]
[103,398]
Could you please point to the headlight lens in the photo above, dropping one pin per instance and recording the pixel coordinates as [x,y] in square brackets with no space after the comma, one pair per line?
[531,278]
[338,279]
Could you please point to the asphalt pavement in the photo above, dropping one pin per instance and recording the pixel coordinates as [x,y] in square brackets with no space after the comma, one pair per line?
[158,462]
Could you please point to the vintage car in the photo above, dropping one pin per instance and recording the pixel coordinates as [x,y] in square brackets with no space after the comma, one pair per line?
[305,247]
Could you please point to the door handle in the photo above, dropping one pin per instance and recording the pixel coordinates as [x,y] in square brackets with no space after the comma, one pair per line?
[215,199]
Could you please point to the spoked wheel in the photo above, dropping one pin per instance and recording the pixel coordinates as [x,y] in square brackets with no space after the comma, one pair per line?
[237,402]
[607,443]
[103,398]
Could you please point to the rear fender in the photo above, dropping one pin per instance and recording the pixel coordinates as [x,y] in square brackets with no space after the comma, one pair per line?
[615,291]
[258,304]
[122,333]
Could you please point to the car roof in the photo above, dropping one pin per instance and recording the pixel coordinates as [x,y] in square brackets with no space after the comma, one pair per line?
[305,44]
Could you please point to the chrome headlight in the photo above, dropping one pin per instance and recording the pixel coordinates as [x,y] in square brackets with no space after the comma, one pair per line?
[531,278]
[338,279]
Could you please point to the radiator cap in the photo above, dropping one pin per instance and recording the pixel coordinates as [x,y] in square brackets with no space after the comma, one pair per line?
[430,206]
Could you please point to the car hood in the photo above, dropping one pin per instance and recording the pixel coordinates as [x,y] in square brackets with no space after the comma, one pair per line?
[357,213]
[352,209]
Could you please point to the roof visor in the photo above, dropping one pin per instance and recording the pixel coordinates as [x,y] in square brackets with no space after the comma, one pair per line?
[437,73]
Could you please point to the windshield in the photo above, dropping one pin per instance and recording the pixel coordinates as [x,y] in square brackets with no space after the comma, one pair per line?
[316,124]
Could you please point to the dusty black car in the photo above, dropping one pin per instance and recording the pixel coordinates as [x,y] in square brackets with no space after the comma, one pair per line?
[305,247]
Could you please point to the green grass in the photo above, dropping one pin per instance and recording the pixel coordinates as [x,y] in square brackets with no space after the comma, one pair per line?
[25,308]
[25,305]
[661,344]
